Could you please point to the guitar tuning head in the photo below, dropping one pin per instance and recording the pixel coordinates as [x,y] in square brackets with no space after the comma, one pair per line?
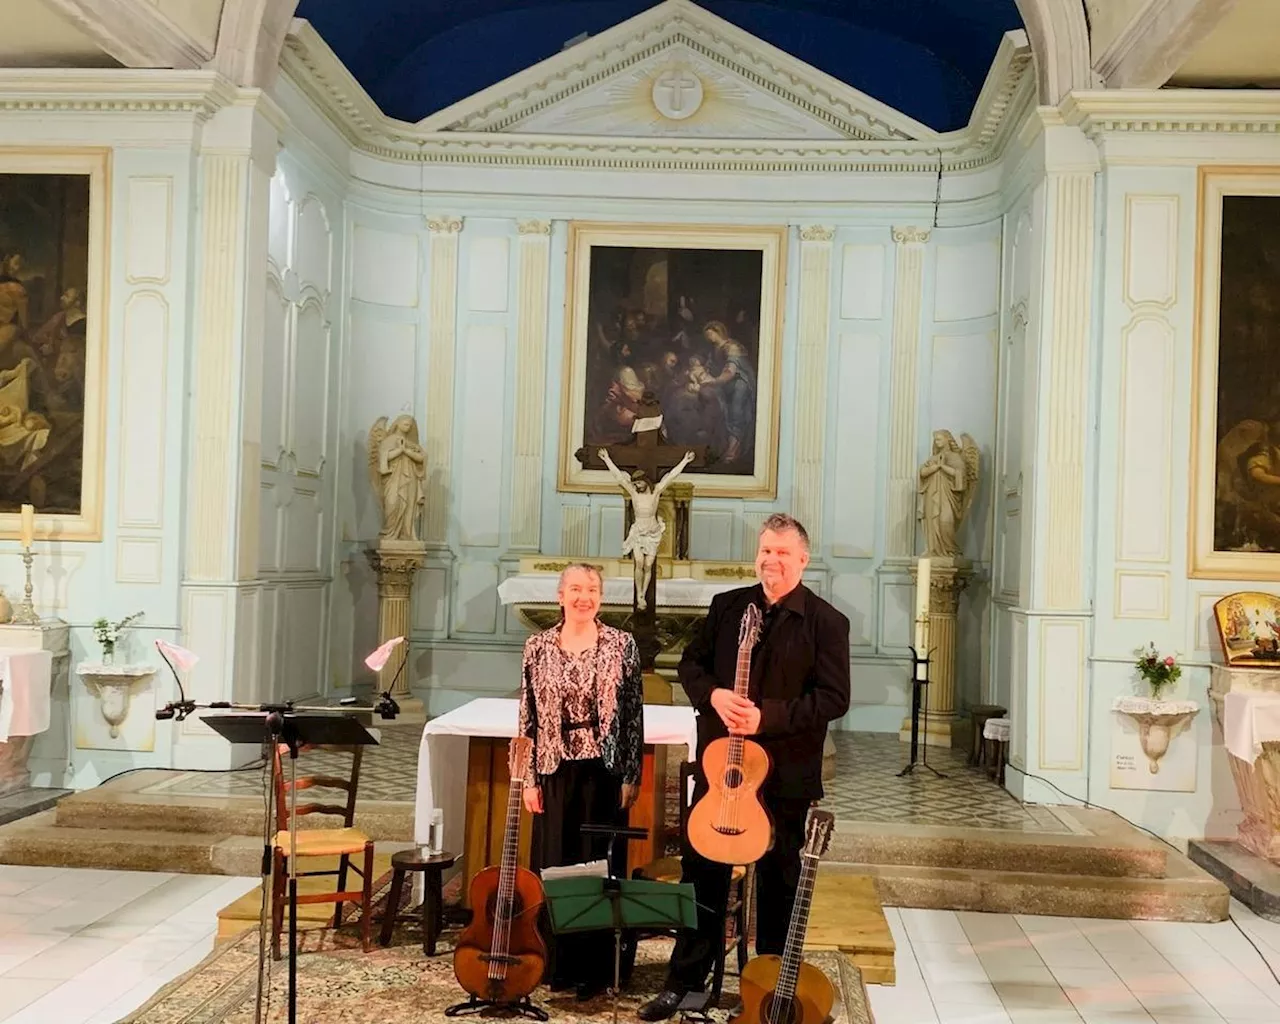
[818,830]
[519,758]
[749,631]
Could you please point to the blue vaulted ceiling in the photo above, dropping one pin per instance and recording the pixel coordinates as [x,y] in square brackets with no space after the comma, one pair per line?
[926,58]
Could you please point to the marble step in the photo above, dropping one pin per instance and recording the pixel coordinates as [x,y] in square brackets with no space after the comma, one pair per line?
[237,816]
[1118,853]
[39,840]
[1186,893]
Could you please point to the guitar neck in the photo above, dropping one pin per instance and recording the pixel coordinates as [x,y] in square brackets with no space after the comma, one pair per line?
[792,955]
[741,683]
[510,848]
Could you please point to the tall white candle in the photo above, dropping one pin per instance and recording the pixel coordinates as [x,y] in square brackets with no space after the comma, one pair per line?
[28,525]
[922,608]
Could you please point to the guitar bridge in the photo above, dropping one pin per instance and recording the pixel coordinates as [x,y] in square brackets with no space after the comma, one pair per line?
[499,958]
[727,830]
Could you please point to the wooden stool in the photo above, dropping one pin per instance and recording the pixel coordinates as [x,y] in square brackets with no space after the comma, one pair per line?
[978,717]
[432,868]
[995,736]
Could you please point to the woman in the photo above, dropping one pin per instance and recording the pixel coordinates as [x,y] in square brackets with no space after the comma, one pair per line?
[581,701]
[736,385]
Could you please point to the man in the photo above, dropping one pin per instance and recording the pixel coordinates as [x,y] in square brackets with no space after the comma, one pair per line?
[799,683]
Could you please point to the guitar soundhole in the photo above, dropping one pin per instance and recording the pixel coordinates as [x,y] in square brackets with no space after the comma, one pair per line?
[778,1010]
[732,778]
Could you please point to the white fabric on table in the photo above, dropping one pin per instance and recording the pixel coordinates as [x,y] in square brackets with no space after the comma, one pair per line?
[540,588]
[1250,719]
[996,729]
[26,681]
[442,756]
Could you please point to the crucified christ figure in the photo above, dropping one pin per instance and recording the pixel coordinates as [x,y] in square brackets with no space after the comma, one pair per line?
[646,532]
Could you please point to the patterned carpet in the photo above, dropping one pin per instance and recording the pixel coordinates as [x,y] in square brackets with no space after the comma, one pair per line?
[340,984]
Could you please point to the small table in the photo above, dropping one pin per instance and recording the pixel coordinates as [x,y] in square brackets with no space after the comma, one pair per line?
[432,868]
[979,715]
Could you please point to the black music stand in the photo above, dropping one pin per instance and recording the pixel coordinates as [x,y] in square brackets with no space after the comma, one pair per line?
[337,729]
[588,903]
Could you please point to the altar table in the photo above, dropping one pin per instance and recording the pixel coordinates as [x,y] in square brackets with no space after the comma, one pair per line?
[26,681]
[462,769]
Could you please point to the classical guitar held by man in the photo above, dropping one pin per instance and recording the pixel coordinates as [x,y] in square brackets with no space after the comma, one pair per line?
[796,682]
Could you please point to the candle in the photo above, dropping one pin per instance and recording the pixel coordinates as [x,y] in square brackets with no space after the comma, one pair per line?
[922,608]
[28,525]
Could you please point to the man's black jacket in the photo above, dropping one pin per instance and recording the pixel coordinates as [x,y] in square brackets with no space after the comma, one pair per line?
[799,680]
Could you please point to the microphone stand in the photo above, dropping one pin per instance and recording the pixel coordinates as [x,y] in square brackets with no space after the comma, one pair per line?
[277,731]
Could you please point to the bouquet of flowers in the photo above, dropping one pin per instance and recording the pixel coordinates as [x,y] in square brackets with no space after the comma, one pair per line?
[108,634]
[1159,671]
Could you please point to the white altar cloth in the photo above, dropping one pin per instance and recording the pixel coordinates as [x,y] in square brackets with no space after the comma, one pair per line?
[540,588]
[442,757]
[1250,719]
[26,681]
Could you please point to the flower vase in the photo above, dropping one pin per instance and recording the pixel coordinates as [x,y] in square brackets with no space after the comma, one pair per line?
[108,654]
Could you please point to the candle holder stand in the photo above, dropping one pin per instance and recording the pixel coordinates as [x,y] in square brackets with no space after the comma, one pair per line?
[919,706]
[25,613]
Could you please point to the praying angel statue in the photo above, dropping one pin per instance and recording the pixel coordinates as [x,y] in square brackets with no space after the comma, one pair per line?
[948,483]
[646,531]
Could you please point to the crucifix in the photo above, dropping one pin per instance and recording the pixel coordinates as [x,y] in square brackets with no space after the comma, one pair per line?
[652,464]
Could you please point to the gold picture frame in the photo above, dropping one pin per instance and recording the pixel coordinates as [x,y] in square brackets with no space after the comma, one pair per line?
[703,296]
[1223,518]
[47,339]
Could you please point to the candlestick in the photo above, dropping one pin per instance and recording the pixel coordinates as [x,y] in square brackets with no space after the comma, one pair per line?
[25,613]
[28,528]
[922,607]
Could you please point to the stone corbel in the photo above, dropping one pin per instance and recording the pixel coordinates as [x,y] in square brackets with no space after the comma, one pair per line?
[114,686]
[1158,721]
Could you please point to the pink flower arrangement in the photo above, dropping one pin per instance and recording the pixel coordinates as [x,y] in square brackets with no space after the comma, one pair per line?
[1159,671]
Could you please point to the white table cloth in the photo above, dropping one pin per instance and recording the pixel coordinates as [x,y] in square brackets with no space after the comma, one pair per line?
[26,681]
[442,756]
[540,588]
[1250,719]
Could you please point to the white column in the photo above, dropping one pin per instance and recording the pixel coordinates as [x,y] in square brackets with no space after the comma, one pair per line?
[219,596]
[908,275]
[443,305]
[1053,634]
[812,377]
[531,383]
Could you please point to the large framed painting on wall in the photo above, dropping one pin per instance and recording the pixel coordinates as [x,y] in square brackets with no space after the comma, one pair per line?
[692,313]
[53,239]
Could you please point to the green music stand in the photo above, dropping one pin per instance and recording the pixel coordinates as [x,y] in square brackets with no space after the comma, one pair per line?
[585,903]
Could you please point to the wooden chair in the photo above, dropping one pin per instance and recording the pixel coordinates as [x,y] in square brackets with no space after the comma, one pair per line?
[741,885]
[344,843]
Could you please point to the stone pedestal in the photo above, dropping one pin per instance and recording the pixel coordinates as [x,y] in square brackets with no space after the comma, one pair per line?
[51,747]
[396,562]
[947,578]
[1257,784]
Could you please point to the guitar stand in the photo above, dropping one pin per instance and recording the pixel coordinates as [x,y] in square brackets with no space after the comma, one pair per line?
[520,1008]
[919,680]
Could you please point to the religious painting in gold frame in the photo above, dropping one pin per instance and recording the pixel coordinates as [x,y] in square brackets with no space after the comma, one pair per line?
[1249,629]
[1235,492]
[692,313]
[53,254]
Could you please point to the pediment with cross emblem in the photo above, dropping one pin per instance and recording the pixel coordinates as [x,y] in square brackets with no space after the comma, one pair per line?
[677,71]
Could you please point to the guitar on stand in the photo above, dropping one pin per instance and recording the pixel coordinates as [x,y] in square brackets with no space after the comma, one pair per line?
[501,956]
[729,825]
[785,989]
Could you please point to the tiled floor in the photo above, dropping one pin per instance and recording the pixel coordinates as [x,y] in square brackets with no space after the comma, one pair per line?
[957,968]
[86,947]
[867,789]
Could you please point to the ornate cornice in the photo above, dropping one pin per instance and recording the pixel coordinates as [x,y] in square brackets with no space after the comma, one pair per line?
[1180,111]
[320,77]
[114,91]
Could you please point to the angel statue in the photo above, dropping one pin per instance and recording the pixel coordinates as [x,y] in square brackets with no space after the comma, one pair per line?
[398,472]
[948,483]
[646,531]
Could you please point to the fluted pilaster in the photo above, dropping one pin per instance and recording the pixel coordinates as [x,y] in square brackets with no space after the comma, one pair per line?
[811,376]
[531,386]
[908,276]
[443,305]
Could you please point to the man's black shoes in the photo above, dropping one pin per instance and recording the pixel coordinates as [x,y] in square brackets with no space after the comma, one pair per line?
[661,1006]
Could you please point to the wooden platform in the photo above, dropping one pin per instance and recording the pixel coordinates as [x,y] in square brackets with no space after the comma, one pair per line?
[846,917]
